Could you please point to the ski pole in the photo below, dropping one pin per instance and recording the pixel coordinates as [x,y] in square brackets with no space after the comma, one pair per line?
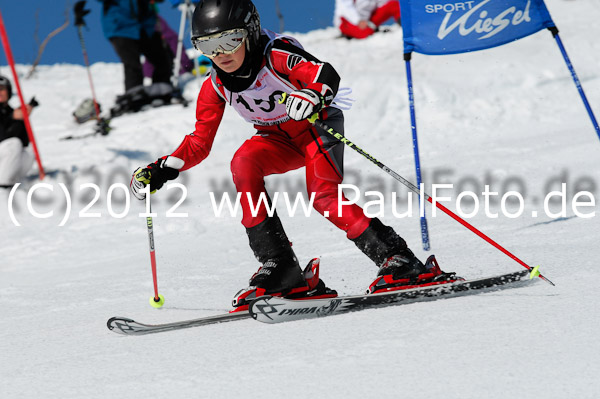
[87,67]
[177,64]
[534,271]
[102,125]
[156,301]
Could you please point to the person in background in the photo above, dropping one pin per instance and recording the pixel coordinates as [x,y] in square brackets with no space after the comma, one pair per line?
[15,158]
[358,19]
[170,38]
[130,26]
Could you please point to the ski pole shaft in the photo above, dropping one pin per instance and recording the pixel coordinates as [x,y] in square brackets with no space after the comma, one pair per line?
[484,237]
[177,63]
[416,190]
[156,301]
[150,225]
[89,73]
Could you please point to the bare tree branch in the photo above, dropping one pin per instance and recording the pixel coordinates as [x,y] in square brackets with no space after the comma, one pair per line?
[47,39]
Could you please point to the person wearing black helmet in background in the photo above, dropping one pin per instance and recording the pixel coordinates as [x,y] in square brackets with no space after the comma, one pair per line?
[15,157]
[252,69]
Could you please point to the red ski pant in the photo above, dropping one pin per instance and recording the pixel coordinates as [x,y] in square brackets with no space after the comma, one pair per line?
[391,9]
[274,153]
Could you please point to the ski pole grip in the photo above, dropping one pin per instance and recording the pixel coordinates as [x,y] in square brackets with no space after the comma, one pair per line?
[312,119]
[80,12]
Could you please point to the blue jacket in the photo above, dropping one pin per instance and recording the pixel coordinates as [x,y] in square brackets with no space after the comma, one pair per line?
[127,18]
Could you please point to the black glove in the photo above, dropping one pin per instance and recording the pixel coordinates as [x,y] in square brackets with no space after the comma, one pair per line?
[33,102]
[156,175]
[80,12]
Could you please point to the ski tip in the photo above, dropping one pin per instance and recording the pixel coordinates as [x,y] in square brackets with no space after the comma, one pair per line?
[111,323]
[535,272]
[120,325]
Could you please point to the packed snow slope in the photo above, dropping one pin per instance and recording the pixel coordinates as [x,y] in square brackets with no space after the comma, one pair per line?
[509,117]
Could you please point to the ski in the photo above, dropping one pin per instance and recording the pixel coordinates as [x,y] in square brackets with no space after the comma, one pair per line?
[102,128]
[269,309]
[125,326]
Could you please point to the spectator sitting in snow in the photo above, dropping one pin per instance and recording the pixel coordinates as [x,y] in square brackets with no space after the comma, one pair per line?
[361,18]
[15,158]
[131,28]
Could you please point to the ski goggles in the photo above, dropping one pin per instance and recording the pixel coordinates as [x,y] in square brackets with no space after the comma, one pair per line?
[227,42]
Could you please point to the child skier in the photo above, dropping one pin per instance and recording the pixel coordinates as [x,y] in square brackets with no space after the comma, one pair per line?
[253,68]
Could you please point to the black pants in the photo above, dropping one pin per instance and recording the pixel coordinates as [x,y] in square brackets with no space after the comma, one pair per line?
[129,51]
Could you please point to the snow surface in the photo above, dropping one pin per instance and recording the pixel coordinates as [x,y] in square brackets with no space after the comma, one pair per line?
[511,113]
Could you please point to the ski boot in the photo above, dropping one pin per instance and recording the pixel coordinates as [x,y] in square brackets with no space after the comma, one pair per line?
[280,273]
[133,100]
[401,272]
[398,266]
[159,94]
[310,287]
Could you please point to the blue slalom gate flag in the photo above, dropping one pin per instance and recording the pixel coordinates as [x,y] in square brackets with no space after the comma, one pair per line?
[437,27]
[450,26]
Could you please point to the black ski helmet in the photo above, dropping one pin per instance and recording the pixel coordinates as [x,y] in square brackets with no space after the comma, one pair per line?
[5,82]
[214,16]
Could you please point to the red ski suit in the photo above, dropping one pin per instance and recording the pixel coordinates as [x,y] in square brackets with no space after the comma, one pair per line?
[280,144]
[380,14]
